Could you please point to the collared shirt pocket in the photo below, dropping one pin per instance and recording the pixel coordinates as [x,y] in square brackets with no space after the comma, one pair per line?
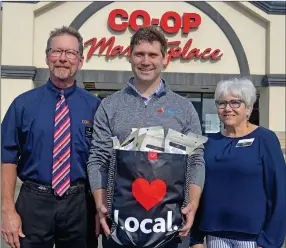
[84,134]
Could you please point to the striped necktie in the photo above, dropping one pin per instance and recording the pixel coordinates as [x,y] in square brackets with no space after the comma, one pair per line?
[61,151]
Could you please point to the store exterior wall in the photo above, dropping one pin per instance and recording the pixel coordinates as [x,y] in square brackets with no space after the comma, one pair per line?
[260,34]
[10,89]
[243,22]
[24,43]
[17,49]
[88,30]
[18,36]
[276,107]
[277,113]
[277,34]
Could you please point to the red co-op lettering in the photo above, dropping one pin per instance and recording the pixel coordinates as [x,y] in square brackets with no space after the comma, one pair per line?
[176,48]
[187,21]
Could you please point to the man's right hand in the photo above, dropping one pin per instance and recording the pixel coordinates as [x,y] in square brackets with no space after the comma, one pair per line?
[101,211]
[12,228]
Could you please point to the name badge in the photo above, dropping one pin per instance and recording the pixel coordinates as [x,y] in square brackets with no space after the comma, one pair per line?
[88,132]
[244,142]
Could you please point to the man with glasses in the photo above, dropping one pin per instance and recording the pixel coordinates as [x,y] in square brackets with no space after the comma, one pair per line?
[46,136]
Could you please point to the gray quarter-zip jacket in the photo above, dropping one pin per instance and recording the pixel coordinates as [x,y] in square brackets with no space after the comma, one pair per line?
[126,109]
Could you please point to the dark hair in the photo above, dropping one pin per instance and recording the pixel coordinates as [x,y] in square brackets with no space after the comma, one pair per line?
[149,34]
[65,30]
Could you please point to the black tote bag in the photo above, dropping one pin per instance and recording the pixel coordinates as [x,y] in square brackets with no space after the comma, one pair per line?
[146,193]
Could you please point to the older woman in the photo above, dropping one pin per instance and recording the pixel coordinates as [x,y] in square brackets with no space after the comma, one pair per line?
[244,202]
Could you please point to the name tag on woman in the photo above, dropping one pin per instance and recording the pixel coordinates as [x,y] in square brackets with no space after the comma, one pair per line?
[244,142]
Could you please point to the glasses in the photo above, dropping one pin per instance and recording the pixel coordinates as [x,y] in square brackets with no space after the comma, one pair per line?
[232,103]
[71,54]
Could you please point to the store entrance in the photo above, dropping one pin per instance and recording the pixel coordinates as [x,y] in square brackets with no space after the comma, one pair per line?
[205,106]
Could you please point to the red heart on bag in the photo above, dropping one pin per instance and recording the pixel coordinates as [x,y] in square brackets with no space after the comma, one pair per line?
[148,194]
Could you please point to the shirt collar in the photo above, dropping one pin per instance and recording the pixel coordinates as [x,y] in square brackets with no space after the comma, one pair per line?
[159,91]
[56,91]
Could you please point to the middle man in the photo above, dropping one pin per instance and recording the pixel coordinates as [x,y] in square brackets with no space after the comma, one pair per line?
[145,101]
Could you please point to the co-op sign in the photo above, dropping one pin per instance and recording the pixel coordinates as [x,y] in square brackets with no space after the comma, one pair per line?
[176,49]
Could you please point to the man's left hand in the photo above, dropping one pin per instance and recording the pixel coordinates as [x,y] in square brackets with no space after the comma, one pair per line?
[188,212]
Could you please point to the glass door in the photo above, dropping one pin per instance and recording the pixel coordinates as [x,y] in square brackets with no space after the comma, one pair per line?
[210,120]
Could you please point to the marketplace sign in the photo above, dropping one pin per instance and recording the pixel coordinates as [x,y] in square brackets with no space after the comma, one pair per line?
[176,49]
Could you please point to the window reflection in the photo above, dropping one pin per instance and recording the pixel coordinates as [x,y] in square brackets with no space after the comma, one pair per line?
[207,111]
[205,106]
[210,120]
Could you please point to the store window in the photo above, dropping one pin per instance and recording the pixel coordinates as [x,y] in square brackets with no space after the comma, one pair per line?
[204,104]
[254,118]
[210,120]
[101,94]
[196,100]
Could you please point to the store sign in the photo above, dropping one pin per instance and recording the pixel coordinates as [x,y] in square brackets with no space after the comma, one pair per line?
[176,49]
[187,21]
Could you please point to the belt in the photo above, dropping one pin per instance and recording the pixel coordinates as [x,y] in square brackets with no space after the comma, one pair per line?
[47,189]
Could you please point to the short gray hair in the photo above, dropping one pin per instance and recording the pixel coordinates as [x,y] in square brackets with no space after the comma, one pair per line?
[62,31]
[242,88]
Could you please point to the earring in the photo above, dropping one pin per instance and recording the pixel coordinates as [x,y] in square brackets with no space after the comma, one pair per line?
[247,122]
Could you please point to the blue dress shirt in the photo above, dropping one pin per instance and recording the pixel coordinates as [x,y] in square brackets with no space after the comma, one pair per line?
[28,130]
